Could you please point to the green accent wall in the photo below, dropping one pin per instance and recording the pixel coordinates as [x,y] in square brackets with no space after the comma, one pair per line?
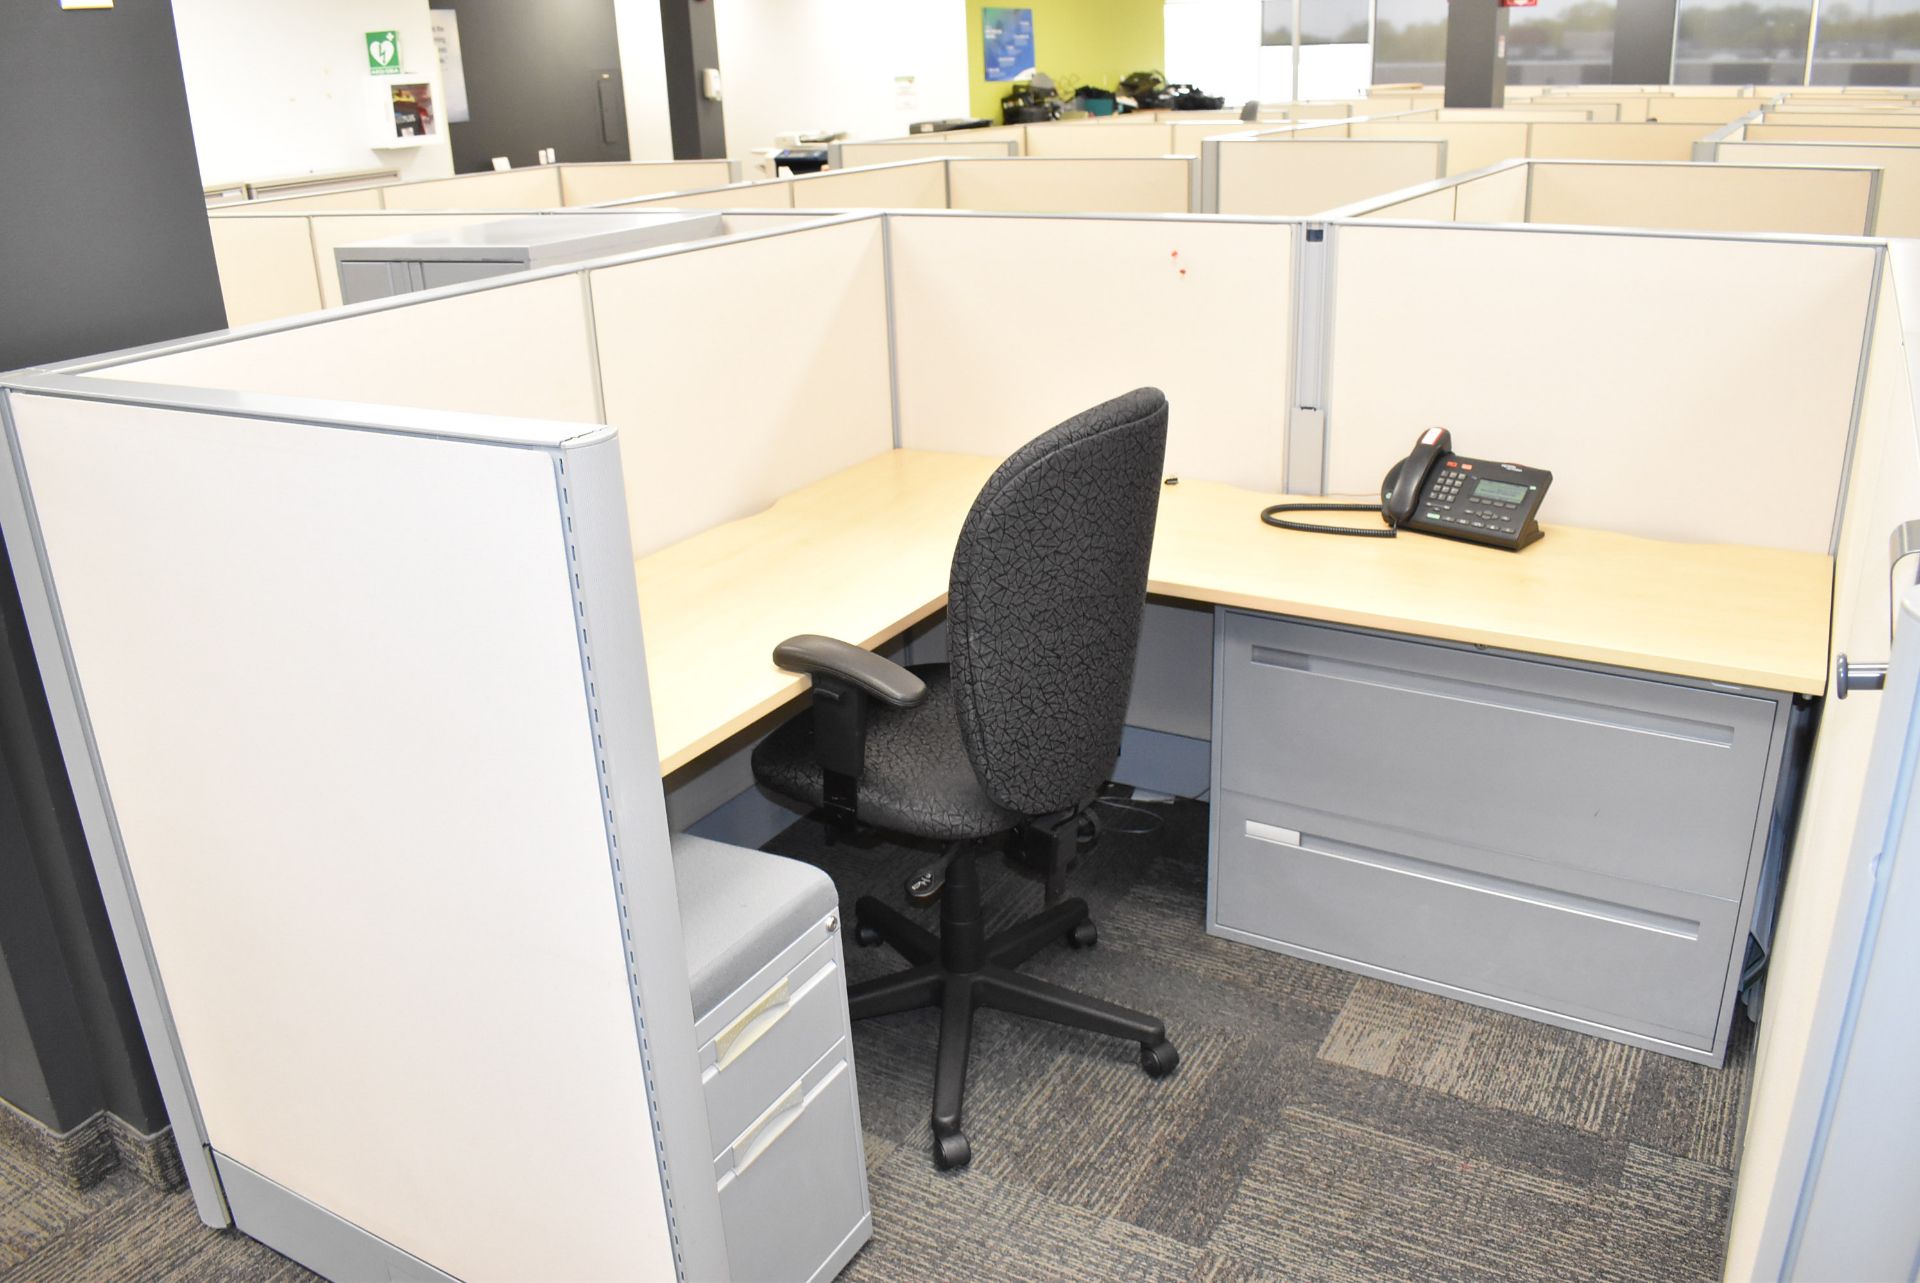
[1077,42]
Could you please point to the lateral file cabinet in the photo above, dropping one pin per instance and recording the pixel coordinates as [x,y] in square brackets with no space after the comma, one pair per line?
[776,1060]
[1577,845]
[458,255]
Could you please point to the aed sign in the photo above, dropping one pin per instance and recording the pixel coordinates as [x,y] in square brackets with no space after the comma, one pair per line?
[383,53]
[1518,4]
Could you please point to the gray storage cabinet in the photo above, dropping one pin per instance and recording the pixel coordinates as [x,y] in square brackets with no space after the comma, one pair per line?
[456,255]
[1577,845]
[776,1060]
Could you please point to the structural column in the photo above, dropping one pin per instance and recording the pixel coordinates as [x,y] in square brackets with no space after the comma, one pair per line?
[1476,54]
[106,246]
[1643,33]
[692,49]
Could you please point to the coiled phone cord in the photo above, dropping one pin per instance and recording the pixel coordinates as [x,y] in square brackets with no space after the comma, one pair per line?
[1268,515]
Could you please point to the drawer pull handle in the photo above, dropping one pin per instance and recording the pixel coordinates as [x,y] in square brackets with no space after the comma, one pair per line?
[748,1027]
[1506,698]
[768,1128]
[1624,915]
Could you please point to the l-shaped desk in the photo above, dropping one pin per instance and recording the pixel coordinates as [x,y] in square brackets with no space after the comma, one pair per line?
[1558,767]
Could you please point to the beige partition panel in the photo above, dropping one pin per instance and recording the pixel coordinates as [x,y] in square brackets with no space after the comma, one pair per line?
[1499,197]
[1308,177]
[963,387]
[776,194]
[913,185]
[1899,173]
[1188,137]
[1071,140]
[1682,350]
[1845,119]
[1681,110]
[1602,141]
[1050,185]
[352,198]
[593,184]
[519,351]
[266,267]
[1862,132]
[329,232]
[1471,145]
[1437,206]
[1796,1037]
[1527,114]
[857,155]
[262,614]
[786,385]
[537,188]
[1625,108]
[1715,198]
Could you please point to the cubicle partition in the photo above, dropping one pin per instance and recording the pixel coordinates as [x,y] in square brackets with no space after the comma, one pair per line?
[1242,175]
[1672,195]
[461,660]
[1895,152]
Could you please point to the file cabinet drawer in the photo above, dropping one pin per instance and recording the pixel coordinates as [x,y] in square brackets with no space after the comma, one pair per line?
[1634,778]
[785,1018]
[793,1185]
[1630,957]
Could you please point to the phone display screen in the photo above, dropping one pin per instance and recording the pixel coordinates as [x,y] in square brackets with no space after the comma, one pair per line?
[1499,491]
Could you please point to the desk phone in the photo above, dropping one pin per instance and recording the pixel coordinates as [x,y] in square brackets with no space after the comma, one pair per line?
[1437,492]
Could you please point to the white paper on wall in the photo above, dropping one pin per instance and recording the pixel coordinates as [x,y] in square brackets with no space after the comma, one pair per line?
[453,74]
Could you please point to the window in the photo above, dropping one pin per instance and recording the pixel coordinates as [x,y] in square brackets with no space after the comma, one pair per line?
[1276,22]
[1867,42]
[1561,42]
[1410,42]
[1333,22]
[1741,42]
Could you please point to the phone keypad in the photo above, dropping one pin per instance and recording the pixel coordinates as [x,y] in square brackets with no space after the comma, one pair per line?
[1443,506]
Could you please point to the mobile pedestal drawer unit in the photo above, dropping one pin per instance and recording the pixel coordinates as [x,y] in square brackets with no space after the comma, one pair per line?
[1578,845]
[776,1060]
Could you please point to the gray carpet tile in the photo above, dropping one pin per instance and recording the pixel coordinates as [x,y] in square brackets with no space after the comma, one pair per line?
[129,1232]
[1322,1126]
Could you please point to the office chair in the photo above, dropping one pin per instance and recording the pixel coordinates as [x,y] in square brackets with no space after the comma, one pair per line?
[1013,736]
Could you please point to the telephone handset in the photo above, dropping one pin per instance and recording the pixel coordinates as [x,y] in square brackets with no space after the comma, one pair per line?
[1438,492]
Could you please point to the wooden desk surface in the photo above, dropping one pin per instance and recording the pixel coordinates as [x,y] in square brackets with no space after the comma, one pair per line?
[865,554]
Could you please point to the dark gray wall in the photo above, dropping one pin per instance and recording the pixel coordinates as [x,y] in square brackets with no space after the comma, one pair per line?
[103,244]
[1643,41]
[103,229]
[699,124]
[539,75]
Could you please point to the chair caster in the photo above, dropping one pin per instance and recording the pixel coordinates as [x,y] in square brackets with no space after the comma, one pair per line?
[1159,1058]
[865,936]
[1084,936]
[951,1152]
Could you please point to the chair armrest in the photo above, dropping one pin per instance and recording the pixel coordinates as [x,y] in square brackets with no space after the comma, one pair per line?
[881,678]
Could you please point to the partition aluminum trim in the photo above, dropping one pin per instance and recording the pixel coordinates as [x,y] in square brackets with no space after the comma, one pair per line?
[1305,427]
[590,491]
[893,335]
[1881,266]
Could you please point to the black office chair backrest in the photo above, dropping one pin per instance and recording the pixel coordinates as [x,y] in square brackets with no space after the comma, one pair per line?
[1049,581]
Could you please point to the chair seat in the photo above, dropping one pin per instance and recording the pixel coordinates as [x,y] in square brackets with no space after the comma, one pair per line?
[918,779]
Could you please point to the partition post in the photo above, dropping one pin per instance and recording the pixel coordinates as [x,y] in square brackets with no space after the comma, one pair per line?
[1476,54]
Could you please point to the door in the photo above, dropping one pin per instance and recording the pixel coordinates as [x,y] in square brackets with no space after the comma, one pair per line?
[539,76]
